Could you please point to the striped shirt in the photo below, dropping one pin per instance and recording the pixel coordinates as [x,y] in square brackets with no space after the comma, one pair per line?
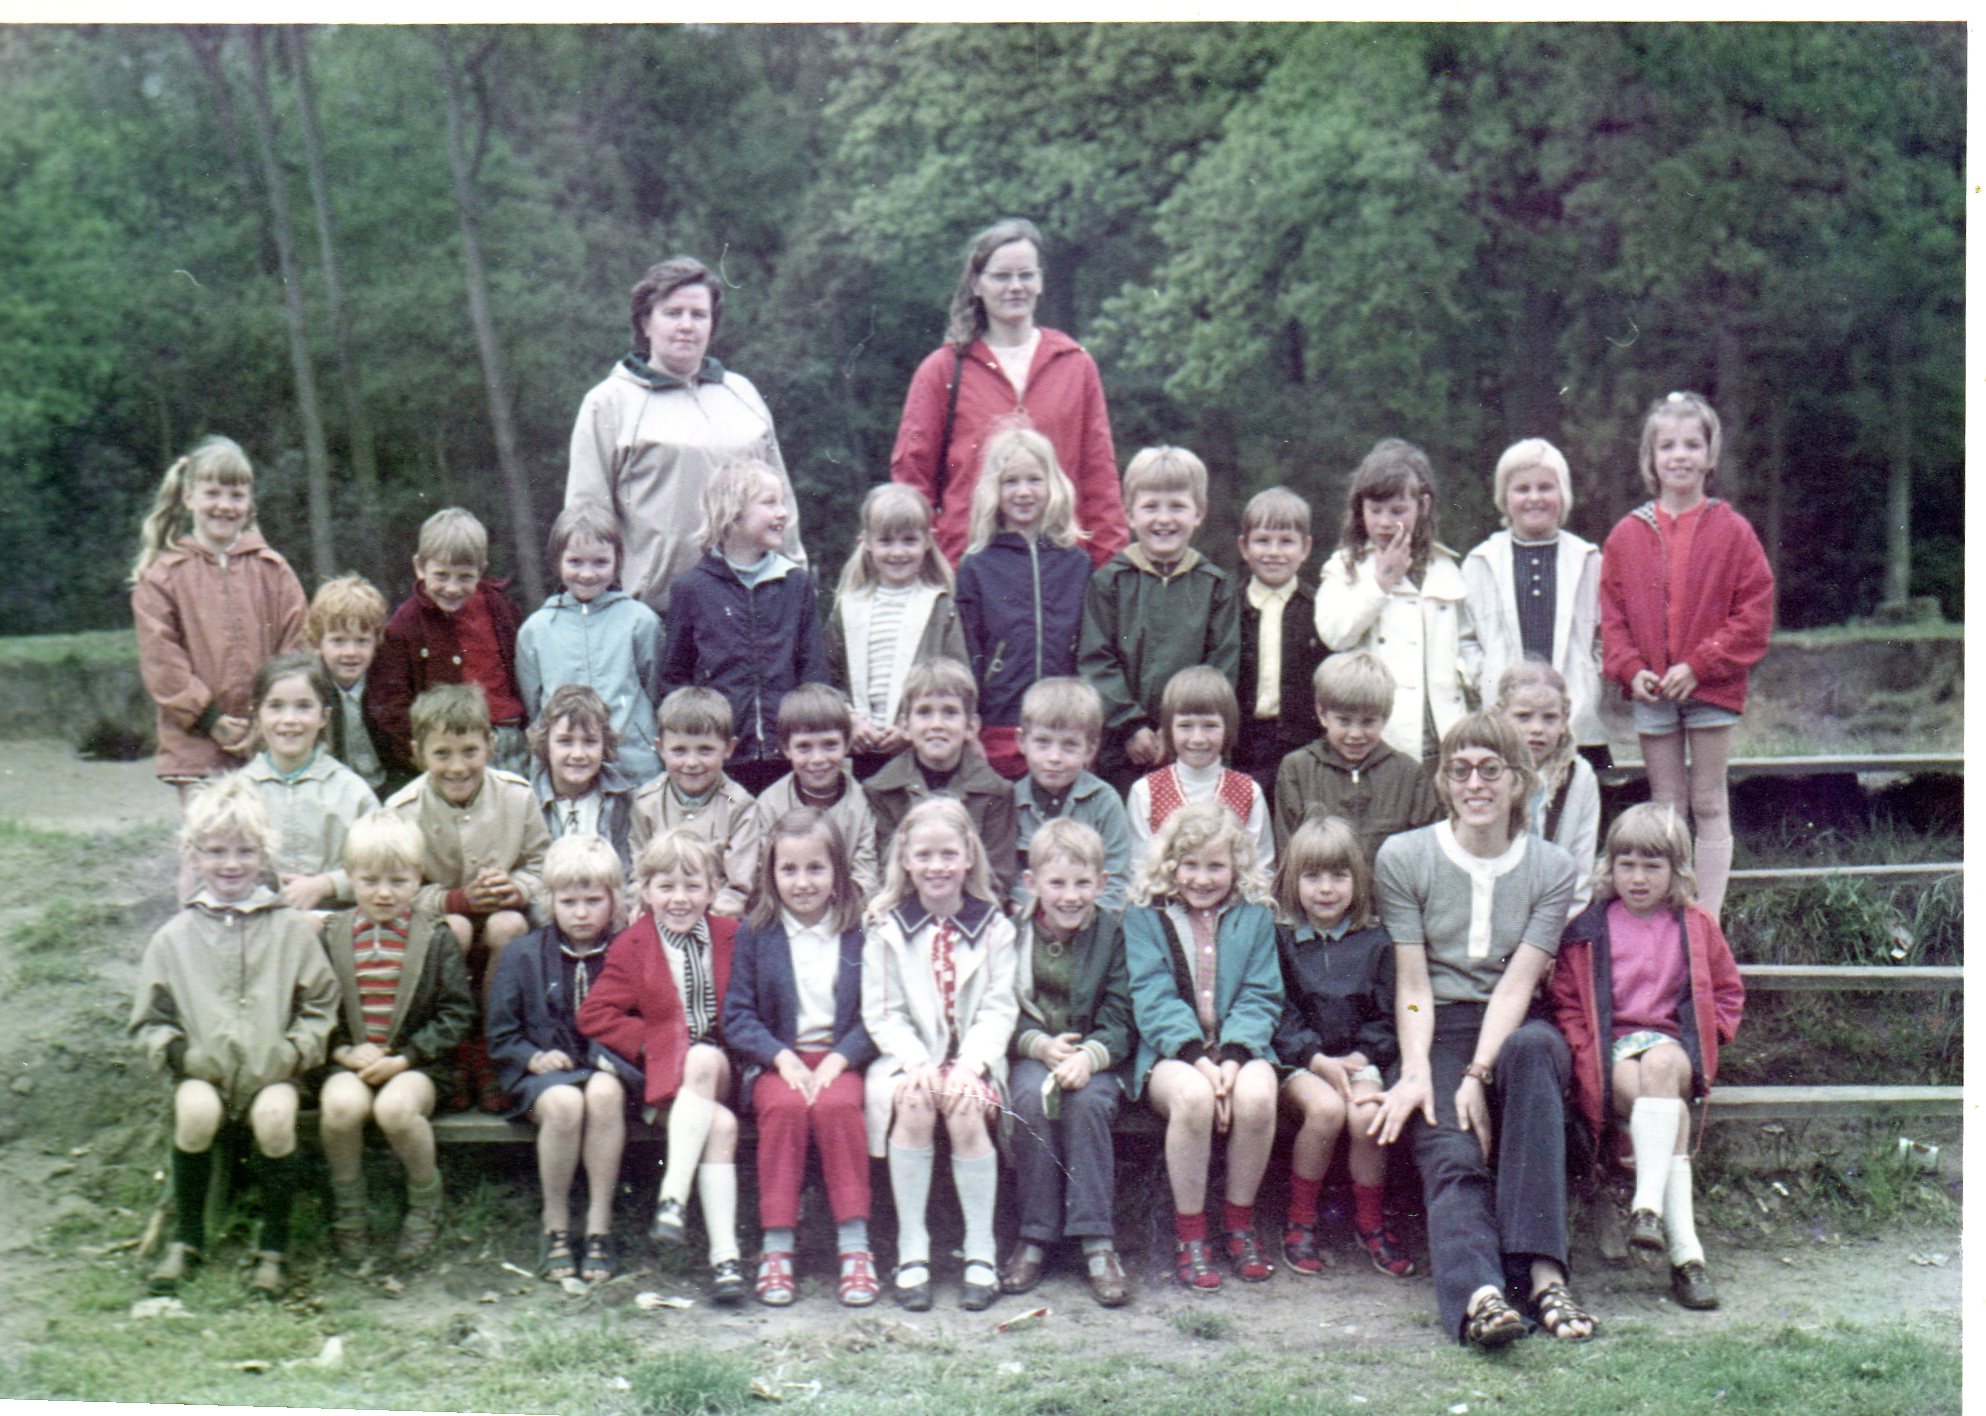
[885,624]
[378,951]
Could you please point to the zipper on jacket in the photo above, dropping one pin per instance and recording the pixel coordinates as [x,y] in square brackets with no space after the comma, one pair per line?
[1034,564]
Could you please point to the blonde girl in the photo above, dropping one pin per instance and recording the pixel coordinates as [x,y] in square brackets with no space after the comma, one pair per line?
[312,798]
[1206,1055]
[893,608]
[938,978]
[1336,1037]
[1199,718]
[1686,603]
[1392,588]
[1021,584]
[212,601]
[744,621]
[1645,992]
[793,1013]
[1565,804]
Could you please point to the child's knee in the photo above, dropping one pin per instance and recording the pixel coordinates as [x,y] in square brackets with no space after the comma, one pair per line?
[401,1110]
[196,1114]
[502,927]
[273,1118]
[559,1108]
[463,930]
[705,1068]
[344,1105]
[604,1095]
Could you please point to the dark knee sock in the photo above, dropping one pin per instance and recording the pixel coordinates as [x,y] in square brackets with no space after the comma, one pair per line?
[277,1181]
[191,1170]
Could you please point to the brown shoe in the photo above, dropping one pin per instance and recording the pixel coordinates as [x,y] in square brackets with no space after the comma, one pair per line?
[175,1264]
[1691,1285]
[267,1279]
[1107,1279]
[1022,1271]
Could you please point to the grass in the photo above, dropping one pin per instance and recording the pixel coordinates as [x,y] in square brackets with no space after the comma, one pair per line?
[1822,636]
[97,646]
[1203,1323]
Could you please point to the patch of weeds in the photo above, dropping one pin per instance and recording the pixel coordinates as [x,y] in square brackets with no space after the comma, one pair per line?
[1201,1323]
[1849,920]
[64,925]
[690,1383]
[1847,1039]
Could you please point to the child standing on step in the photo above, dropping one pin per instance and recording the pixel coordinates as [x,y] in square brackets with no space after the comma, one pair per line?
[235,1004]
[1645,992]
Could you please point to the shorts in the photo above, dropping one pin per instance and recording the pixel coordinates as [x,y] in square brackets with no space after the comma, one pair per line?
[1636,1043]
[1664,718]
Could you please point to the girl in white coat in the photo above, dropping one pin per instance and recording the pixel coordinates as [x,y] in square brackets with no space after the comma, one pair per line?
[1533,591]
[1392,588]
[938,999]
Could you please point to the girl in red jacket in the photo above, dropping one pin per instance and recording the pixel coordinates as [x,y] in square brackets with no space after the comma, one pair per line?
[1685,611]
[1645,991]
[655,1016]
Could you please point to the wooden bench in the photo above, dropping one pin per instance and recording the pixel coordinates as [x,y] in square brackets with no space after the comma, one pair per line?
[1833,1103]
[1870,978]
[1904,764]
[1769,876]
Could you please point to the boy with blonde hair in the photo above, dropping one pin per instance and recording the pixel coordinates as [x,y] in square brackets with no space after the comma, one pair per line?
[1158,606]
[343,626]
[1061,728]
[695,793]
[1349,771]
[1280,650]
[457,627]
[940,715]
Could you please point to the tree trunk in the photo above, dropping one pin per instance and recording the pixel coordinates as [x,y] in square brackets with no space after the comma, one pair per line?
[365,466]
[1896,558]
[317,462]
[205,41]
[523,526]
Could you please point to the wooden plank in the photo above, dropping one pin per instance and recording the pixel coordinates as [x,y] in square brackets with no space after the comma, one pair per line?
[1793,978]
[1870,764]
[1833,1103]
[1768,876]
[479,1128]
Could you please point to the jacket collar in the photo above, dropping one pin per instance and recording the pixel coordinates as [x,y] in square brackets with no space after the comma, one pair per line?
[638,368]
[189,547]
[1135,554]
[714,565]
[612,782]
[971,919]
[563,600]
[1321,749]
[1646,511]
[262,900]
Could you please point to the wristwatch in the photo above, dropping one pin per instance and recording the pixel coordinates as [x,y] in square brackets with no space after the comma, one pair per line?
[1481,1073]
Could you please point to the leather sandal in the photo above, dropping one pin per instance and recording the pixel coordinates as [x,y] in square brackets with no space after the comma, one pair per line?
[555,1260]
[1555,1310]
[1493,1323]
[1244,1252]
[419,1228]
[597,1266]
[178,1261]
[858,1286]
[774,1285]
[1300,1250]
[1193,1266]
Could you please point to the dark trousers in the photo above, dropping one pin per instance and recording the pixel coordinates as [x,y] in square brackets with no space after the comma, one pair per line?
[1064,1171]
[1486,1222]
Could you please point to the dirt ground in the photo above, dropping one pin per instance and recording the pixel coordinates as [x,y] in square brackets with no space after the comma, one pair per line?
[1797,1274]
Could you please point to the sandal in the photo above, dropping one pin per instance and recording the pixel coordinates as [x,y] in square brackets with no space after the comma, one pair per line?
[420,1226]
[1300,1250]
[858,1287]
[775,1280]
[1493,1323]
[267,1276]
[555,1261]
[1193,1266]
[598,1264]
[174,1265]
[1244,1251]
[1389,1255]
[1555,1310]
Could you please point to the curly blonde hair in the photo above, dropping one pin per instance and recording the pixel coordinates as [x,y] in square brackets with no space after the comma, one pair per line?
[1194,827]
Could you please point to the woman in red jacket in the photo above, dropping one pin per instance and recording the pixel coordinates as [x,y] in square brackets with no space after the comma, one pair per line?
[998,367]
[1685,612]
[1645,991]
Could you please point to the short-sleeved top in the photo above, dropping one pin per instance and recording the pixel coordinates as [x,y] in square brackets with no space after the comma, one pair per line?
[1472,913]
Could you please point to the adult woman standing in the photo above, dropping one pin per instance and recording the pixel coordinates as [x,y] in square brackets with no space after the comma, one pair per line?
[996,367]
[1534,591]
[1476,906]
[650,434]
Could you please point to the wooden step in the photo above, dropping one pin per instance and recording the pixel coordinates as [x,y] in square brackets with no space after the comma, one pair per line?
[1865,765]
[1767,877]
[1730,1104]
[1871,978]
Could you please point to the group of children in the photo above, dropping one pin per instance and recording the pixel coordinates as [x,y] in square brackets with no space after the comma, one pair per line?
[874,882]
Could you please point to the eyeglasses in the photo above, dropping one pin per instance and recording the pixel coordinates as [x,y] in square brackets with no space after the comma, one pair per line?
[1459,772]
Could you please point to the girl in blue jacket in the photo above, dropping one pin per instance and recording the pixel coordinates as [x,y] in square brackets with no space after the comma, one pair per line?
[1207,993]
[596,634]
[1021,584]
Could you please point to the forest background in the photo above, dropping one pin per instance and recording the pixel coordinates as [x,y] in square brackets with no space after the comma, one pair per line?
[389,262]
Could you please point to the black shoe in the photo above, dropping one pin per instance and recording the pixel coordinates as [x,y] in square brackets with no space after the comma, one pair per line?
[914,1297]
[1644,1231]
[727,1282]
[672,1225]
[1690,1284]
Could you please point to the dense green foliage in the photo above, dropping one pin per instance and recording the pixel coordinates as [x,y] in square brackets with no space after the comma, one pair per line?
[1282,242]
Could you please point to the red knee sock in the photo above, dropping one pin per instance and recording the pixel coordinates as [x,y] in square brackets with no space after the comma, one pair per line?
[1369,1206]
[1238,1219]
[1303,1200]
[1190,1227]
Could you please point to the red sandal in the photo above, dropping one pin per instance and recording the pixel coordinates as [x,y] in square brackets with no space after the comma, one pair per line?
[775,1286]
[1193,1266]
[1244,1251]
[858,1287]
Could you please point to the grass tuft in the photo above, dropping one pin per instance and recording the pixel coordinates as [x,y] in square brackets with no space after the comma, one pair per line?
[690,1383]
[1203,1324]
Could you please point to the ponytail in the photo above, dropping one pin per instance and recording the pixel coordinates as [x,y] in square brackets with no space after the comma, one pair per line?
[217,458]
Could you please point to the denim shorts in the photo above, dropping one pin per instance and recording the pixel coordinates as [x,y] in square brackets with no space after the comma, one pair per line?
[1661,719]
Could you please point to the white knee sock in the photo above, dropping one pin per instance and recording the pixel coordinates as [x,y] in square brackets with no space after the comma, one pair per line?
[910,1184]
[690,1115]
[1652,1127]
[1713,872]
[978,1184]
[1679,1213]
[717,1191]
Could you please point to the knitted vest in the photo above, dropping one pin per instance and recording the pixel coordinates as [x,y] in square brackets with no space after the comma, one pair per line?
[1235,791]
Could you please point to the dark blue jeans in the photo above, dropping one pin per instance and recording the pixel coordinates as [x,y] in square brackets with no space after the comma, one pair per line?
[1064,1171]
[1487,1221]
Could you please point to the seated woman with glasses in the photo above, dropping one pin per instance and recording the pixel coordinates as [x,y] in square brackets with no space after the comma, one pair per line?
[1476,906]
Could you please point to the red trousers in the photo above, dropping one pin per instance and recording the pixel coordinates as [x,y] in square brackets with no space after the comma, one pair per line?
[835,1123]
